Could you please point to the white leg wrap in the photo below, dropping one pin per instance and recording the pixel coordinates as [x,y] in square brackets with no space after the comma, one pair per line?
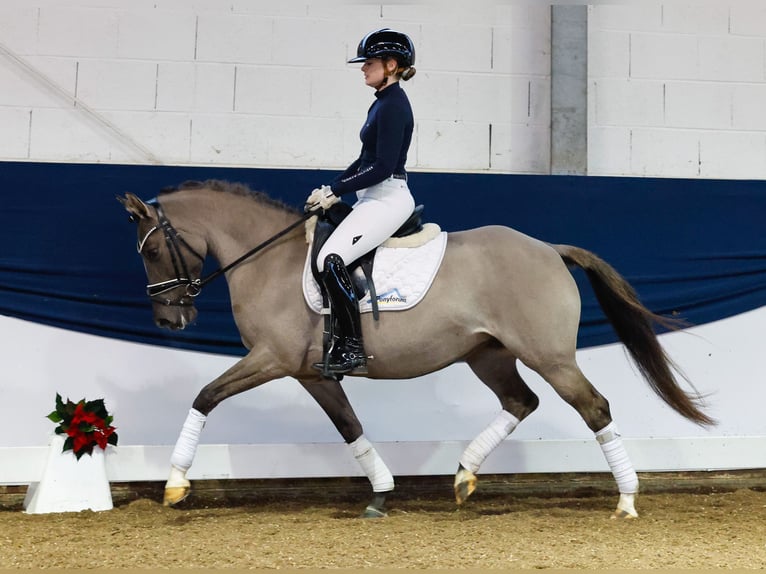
[617,458]
[488,440]
[373,466]
[186,447]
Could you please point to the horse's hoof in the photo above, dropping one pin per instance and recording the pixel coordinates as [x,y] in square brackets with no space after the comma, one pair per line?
[626,507]
[465,484]
[175,494]
[372,512]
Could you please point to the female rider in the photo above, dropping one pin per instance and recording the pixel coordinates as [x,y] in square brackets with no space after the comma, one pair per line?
[378,177]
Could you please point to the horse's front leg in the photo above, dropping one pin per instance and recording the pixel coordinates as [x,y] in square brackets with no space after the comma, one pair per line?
[334,402]
[244,375]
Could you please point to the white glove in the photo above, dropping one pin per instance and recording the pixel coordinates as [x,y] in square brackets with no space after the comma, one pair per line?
[321,198]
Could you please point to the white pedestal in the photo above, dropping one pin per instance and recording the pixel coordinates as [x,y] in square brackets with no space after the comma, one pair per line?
[68,484]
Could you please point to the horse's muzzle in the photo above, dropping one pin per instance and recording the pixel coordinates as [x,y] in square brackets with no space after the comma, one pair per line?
[175,317]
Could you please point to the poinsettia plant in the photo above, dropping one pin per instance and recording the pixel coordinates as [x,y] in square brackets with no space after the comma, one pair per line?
[85,423]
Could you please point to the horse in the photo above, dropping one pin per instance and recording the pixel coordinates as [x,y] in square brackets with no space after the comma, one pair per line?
[526,308]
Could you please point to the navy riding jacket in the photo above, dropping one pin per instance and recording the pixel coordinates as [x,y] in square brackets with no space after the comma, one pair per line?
[386,137]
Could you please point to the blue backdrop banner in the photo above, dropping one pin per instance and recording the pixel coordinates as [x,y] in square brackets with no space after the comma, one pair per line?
[694,249]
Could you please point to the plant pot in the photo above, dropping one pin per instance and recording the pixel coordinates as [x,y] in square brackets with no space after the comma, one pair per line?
[68,484]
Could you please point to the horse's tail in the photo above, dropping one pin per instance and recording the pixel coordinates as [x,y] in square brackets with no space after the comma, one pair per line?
[633,324]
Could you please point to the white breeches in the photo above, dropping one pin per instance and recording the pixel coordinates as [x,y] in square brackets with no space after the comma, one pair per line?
[379,211]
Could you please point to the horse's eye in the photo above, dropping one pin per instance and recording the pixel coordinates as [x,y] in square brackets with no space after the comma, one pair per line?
[152,253]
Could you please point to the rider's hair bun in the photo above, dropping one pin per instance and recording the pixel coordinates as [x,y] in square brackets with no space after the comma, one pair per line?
[408,73]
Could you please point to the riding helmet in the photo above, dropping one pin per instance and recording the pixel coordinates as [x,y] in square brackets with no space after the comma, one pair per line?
[386,42]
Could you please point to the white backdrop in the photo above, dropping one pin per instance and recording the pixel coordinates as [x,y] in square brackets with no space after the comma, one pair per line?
[421,425]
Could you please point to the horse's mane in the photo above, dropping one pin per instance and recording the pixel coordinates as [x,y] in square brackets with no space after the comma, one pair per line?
[234,188]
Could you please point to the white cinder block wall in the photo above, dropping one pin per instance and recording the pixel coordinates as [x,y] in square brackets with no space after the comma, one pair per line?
[674,90]
[677,90]
[265,83]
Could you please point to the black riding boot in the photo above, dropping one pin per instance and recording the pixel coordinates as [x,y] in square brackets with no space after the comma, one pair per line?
[347,349]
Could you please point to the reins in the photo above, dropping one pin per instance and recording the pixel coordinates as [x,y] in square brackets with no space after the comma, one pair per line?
[174,240]
[253,251]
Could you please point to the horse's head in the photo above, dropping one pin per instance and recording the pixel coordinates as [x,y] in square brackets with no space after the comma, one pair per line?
[173,264]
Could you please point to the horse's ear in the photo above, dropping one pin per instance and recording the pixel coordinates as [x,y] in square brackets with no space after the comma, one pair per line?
[133,205]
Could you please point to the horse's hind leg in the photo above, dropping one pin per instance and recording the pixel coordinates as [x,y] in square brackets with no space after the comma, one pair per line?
[570,383]
[334,402]
[496,367]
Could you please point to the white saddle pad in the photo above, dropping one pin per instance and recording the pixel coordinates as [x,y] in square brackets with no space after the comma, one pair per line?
[402,276]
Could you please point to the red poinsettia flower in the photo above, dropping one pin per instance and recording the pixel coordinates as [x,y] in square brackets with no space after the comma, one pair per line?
[86,424]
[81,441]
[83,416]
[102,436]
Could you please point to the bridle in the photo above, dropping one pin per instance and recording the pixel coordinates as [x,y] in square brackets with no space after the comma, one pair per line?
[175,242]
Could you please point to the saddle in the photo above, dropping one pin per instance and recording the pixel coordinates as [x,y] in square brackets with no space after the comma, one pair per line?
[363,282]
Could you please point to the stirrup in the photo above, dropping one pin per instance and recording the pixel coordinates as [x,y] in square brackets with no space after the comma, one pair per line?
[344,358]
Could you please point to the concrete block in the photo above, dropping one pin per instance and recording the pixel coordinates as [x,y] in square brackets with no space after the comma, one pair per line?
[502,49]
[309,42]
[664,56]
[609,151]
[530,148]
[117,84]
[530,15]
[367,13]
[301,142]
[626,102]
[157,35]
[449,13]
[530,101]
[18,27]
[42,82]
[72,135]
[14,144]
[341,94]
[521,99]
[733,155]
[434,95]
[484,98]
[664,152]
[456,48]
[531,52]
[734,59]
[702,18]
[706,105]
[453,145]
[608,54]
[748,108]
[628,16]
[78,32]
[229,139]
[197,6]
[272,9]
[747,19]
[273,91]
[234,38]
[195,87]
[166,136]
[501,148]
